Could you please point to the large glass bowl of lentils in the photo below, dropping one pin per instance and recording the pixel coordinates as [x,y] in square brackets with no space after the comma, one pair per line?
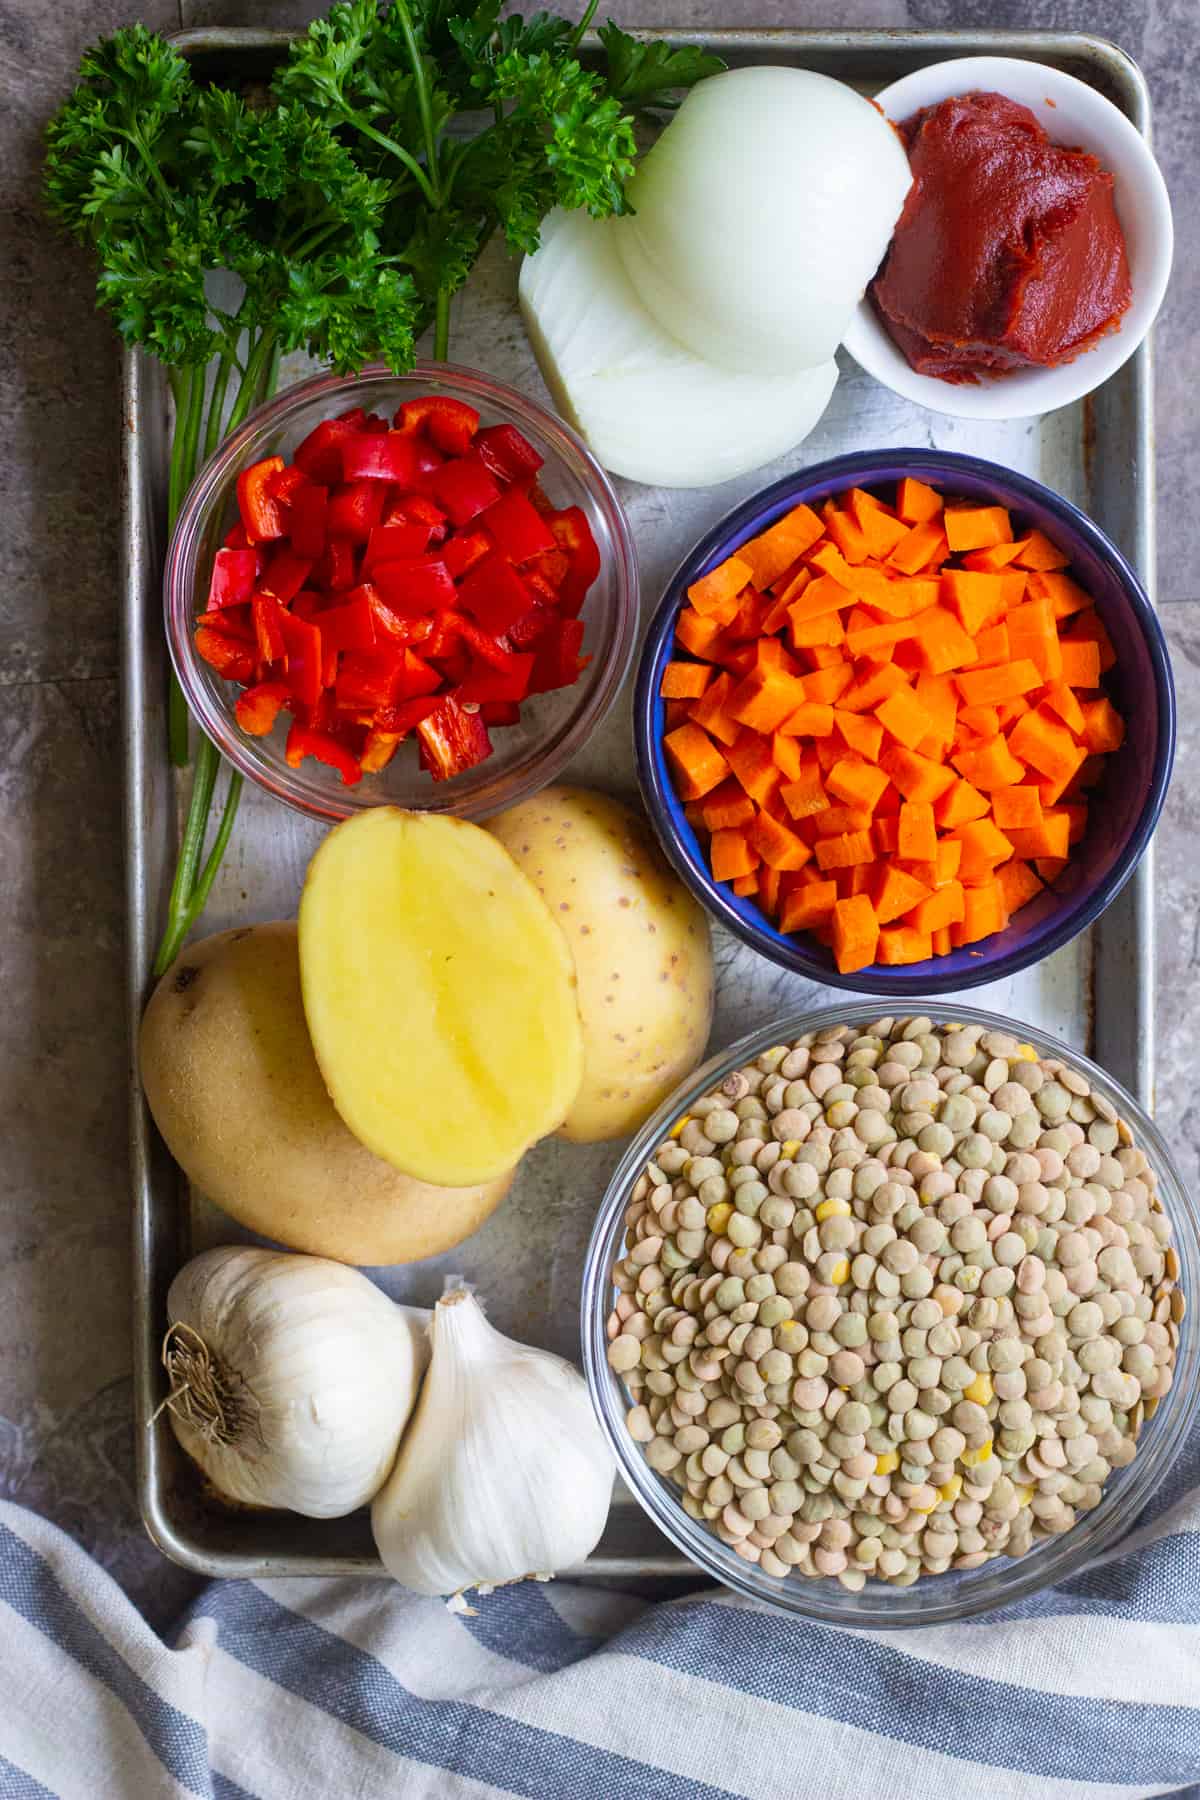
[886,1317]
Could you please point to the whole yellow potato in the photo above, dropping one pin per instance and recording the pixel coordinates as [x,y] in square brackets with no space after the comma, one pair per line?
[641,950]
[234,1087]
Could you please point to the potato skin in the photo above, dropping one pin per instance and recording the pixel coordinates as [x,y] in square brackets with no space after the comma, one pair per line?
[641,949]
[232,1082]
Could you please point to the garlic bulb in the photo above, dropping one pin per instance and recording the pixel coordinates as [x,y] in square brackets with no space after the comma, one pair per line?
[292,1377]
[504,1472]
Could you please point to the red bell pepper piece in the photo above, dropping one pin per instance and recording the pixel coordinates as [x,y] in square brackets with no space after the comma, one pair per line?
[487,682]
[380,456]
[306,520]
[422,584]
[303,740]
[320,455]
[261,515]
[464,489]
[418,508]
[542,591]
[558,662]
[395,543]
[574,535]
[516,528]
[482,645]
[550,567]
[302,641]
[354,509]
[268,628]
[286,483]
[507,453]
[399,630]
[530,626]
[494,593]
[257,708]
[229,657]
[448,423]
[231,622]
[350,626]
[235,538]
[464,549]
[452,739]
[369,679]
[500,712]
[401,719]
[428,459]
[379,749]
[336,569]
[233,576]
[285,575]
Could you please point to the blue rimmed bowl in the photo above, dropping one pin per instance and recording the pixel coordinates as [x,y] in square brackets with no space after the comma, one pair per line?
[1126,806]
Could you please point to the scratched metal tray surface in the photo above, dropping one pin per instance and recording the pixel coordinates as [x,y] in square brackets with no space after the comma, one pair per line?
[1096,994]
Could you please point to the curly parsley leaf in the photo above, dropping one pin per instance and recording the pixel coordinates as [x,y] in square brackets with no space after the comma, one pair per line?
[647,76]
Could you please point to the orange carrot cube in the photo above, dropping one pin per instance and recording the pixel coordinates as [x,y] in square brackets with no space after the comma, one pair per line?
[975,527]
[855,933]
[858,783]
[685,680]
[697,763]
[713,591]
[918,834]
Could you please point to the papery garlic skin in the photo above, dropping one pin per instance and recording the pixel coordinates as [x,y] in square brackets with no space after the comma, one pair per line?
[503,1473]
[318,1371]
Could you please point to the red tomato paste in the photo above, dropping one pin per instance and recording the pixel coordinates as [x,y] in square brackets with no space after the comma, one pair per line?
[1008,253]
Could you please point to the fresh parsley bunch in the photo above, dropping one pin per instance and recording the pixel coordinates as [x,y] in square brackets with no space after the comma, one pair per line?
[341,212]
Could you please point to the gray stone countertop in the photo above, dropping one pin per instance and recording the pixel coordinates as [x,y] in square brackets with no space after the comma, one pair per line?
[66,1444]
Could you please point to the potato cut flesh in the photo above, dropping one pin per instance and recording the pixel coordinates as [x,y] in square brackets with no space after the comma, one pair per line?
[439,993]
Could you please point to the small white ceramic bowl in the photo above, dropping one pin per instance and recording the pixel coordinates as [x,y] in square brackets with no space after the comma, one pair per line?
[1076,115]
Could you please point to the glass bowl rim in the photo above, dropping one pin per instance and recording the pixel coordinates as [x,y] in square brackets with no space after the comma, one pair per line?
[1056,1558]
[861,467]
[327,799]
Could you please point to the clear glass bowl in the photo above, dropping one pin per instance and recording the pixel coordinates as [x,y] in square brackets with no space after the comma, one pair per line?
[933,1599]
[552,728]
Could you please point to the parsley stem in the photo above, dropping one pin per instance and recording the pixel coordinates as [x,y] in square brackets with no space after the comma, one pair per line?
[204,778]
[258,365]
[216,405]
[183,920]
[187,386]
[386,143]
[441,326]
[588,15]
[421,81]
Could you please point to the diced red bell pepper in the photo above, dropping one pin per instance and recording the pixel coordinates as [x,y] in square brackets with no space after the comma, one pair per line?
[403,718]
[530,626]
[302,641]
[551,567]
[396,628]
[494,593]
[233,577]
[375,422]
[257,708]
[420,508]
[286,483]
[422,584]
[574,535]
[354,509]
[428,460]
[464,489]
[261,515]
[395,543]
[487,682]
[500,712]
[516,528]
[336,571]
[369,679]
[229,657]
[464,549]
[285,575]
[350,626]
[452,739]
[235,538]
[380,456]
[448,423]
[232,622]
[495,650]
[379,749]
[542,590]
[268,628]
[419,677]
[558,663]
[455,667]
[303,740]
[306,520]
[320,455]
[507,453]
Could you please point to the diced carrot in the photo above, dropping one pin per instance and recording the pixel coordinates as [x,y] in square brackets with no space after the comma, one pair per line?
[696,633]
[726,807]
[946,861]
[814,599]
[713,591]
[1042,741]
[959,805]
[769,882]
[1080,662]
[1033,634]
[847,848]
[1051,838]
[685,680]
[1061,700]
[867,689]
[875,640]
[828,684]
[904,717]
[751,761]
[787,753]
[915,502]
[893,892]
[975,527]
[1088,628]
[991,560]
[983,913]
[976,599]
[746,887]
[769,554]
[943,645]
[939,696]
[699,766]
[828,751]
[882,530]
[865,735]
[990,766]
[917,777]
[825,558]
[709,711]
[923,546]
[848,536]
[812,718]
[1065,596]
[896,599]
[987,687]
[992,646]
[765,699]
[902,944]
[806,795]
[1050,868]
[1103,727]
[773,653]
[1012,710]
[1019,805]
[805,907]
[940,939]
[855,933]
[885,828]
[1037,552]
[747,622]
[825,631]
[918,834]
[731,854]
[983,846]
[856,782]
[839,819]
[977,721]
[779,847]
[945,907]
[739,659]
[1018,884]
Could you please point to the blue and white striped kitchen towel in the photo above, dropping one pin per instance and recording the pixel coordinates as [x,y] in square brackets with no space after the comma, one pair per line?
[303,1690]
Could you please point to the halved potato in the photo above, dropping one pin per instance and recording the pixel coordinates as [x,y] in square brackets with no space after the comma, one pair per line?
[440,995]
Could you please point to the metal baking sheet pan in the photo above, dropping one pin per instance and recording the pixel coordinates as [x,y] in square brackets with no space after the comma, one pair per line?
[1096,994]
